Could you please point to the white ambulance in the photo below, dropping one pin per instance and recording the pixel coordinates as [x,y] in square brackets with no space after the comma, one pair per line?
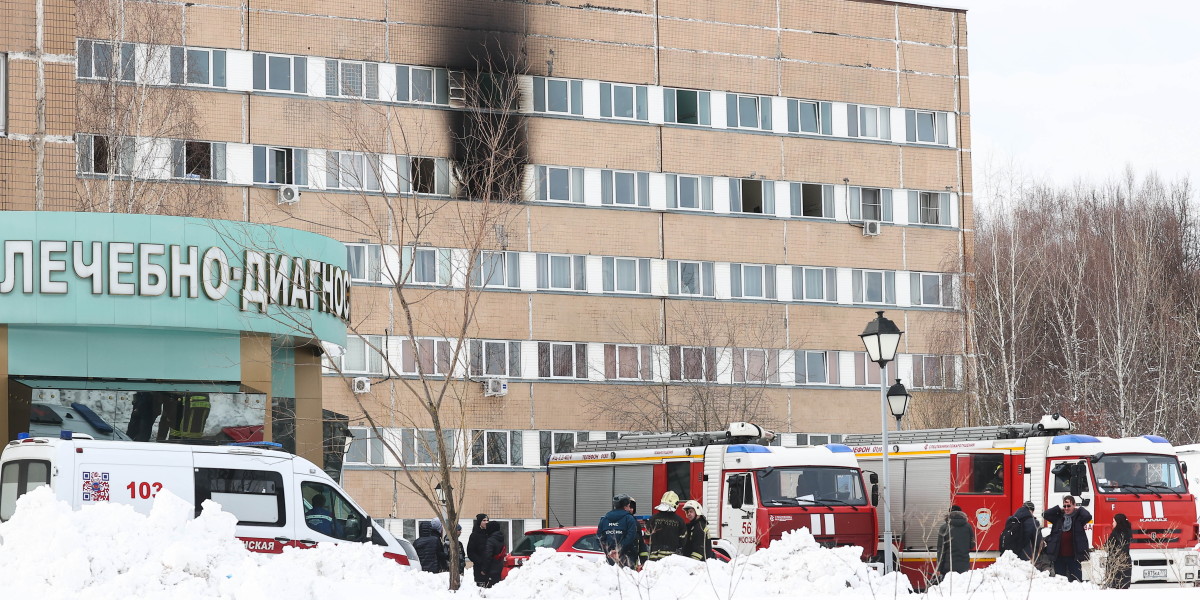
[279,499]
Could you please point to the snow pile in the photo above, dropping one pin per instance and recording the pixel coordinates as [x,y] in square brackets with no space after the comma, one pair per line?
[1008,576]
[794,566]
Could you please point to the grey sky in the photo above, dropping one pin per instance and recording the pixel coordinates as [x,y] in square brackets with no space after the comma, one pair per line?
[1073,89]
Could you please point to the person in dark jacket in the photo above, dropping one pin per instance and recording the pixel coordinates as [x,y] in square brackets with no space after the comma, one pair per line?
[695,539]
[956,541]
[619,533]
[1028,539]
[495,549]
[1068,543]
[1119,565]
[666,528]
[429,547]
[477,549]
[462,552]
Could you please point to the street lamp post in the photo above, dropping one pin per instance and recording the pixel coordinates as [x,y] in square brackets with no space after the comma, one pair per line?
[881,338]
[440,494]
[897,398]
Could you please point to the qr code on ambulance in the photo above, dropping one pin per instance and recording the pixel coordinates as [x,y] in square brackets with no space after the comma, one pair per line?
[95,486]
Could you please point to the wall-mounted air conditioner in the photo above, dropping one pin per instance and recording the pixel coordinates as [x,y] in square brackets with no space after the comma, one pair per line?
[361,385]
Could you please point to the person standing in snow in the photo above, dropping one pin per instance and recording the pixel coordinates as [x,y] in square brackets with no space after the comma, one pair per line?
[695,542]
[666,528]
[477,549]
[429,547]
[619,533]
[1025,540]
[956,540]
[496,550]
[1120,565]
[462,552]
[1068,543]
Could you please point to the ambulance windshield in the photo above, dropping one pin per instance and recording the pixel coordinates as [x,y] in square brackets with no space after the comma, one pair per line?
[795,486]
[1139,474]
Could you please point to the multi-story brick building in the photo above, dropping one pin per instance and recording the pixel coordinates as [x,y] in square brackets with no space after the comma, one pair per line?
[715,197]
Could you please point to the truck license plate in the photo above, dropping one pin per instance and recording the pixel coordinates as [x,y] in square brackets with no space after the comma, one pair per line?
[1155,573]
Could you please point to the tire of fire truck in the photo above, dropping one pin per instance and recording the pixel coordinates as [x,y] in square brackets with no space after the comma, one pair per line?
[722,546]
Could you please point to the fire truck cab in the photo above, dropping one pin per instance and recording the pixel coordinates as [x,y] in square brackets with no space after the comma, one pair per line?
[989,472]
[752,493]
[279,499]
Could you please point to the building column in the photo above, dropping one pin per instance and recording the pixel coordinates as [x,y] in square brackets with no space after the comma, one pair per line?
[256,371]
[309,420]
[6,424]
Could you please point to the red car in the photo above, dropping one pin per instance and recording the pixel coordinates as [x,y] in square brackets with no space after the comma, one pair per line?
[579,541]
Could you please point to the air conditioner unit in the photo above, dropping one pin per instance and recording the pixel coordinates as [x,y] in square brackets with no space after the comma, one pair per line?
[288,194]
[495,387]
[871,227]
[361,385]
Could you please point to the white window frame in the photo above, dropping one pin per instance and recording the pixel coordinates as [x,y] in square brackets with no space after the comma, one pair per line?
[423,441]
[441,363]
[511,362]
[765,274]
[368,265]
[804,367]
[797,197]
[513,441]
[441,258]
[822,126]
[546,174]
[373,446]
[638,99]
[701,202]
[341,167]
[217,157]
[704,273]
[576,271]
[644,358]
[939,124]
[293,81]
[123,53]
[917,289]
[705,355]
[761,116]
[861,276]
[340,81]
[3,93]
[609,188]
[870,370]
[441,176]
[872,122]
[827,276]
[183,76]
[439,81]
[946,366]
[574,99]
[509,269]
[641,274]
[574,354]
[124,157]
[737,196]
[703,107]
[372,357]
[770,360]
[876,208]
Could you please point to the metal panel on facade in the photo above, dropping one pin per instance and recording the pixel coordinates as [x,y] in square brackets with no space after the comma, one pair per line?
[594,492]
[562,495]
[636,481]
[927,498]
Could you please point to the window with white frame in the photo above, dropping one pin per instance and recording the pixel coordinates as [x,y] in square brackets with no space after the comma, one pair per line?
[692,363]
[689,192]
[106,60]
[420,446]
[626,275]
[561,272]
[927,127]
[752,196]
[197,66]
[628,362]
[874,287]
[426,175]
[558,360]
[422,85]
[563,96]
[755,365]
[931,289]
[558,442]
[365,262]
[929,208]
[286,166]
[496,269]
[812,200]
[870,204]
[279,73]
[869,122]
[932,371]
[689,278]
[867,372]
[620,101]
[817,367]
[363,355]
[351,79]
[352,171]
[104,155]
[366,447]
[748,111]
[625,188]
[560,184]
[810,117]
[752,281]
[815,284]
[497,448]
[495,358]
[198,160]
[426,266]
[687,107]
[426,356]
[3,93]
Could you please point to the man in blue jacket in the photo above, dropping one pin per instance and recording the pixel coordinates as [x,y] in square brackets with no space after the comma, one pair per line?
[619,533]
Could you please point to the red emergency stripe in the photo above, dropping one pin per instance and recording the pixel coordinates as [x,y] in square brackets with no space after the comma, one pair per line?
[271,546]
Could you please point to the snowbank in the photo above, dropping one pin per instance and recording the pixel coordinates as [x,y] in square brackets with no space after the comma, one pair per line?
[108,551]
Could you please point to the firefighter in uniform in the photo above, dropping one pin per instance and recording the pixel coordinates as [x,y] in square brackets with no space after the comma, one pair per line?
[191,413]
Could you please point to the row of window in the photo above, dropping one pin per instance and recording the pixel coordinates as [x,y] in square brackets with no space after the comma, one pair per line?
[324,77]
[497,448]
[380,355]
[373,263]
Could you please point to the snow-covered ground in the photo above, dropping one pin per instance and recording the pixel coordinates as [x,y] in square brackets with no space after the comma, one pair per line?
[109,551]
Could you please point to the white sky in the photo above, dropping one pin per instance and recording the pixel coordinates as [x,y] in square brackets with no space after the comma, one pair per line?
[1075,89]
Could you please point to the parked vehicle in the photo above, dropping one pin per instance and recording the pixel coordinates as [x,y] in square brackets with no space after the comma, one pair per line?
[752,493]
[991,471]
[577,541]
[279,499]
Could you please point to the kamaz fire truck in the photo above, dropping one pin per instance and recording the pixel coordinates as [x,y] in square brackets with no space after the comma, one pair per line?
[751,492]
[990,472]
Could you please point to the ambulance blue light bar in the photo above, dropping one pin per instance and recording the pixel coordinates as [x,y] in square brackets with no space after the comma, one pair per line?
[1157,439]
[748,449]
[1075,438]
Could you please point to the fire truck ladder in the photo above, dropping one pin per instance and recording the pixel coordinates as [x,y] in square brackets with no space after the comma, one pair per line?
[955,434]
[649,441]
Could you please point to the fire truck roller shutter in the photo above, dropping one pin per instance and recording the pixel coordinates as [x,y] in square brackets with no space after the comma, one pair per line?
[638,482]
[562,498]
[593,494]
[925,501]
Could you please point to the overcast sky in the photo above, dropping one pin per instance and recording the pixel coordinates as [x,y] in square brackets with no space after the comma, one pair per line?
[1074,89]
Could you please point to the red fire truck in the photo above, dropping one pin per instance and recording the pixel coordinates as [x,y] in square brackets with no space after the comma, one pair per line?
[990,472]
[752,492]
